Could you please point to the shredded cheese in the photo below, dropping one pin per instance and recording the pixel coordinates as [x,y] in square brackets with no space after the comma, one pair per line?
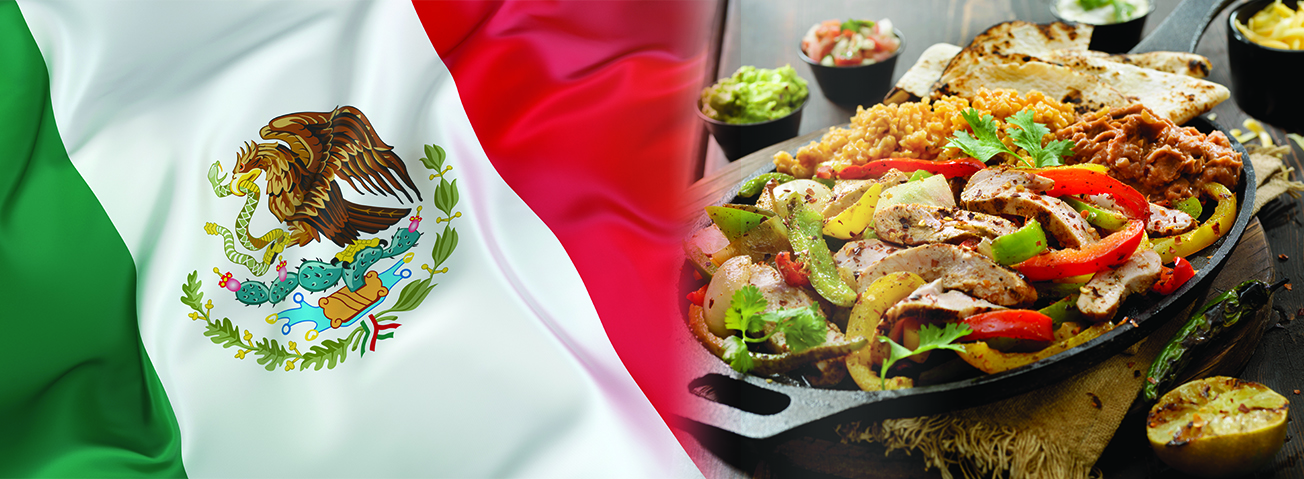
[1275,26]
[1256,130]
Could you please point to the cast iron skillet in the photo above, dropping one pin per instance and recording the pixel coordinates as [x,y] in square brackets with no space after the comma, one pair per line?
[757,408]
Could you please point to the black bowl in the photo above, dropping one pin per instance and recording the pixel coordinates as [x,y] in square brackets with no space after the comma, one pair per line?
[1112,37]
[855,85]
[738,140]
[1264,79]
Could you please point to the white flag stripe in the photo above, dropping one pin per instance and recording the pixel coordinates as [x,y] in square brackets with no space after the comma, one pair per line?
[504,370]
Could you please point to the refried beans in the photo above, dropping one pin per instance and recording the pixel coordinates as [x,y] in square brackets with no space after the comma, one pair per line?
[1165,162]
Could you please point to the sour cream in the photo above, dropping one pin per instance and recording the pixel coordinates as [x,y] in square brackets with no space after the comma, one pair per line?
[1072,10]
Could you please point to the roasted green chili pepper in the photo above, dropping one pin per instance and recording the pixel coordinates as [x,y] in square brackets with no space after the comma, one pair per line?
[805,226]
[1097,216]
[1216,316]
[1028,241]
[754,185]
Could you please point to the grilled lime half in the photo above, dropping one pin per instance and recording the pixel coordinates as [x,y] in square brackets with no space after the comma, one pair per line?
[1218,426]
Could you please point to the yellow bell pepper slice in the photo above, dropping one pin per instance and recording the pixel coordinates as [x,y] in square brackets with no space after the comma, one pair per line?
[854,220]
[865,316]
[1098,168]
[1082,278]
[1224,214]
[991,361]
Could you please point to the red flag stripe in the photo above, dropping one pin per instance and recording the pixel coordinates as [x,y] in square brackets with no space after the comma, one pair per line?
[585,108]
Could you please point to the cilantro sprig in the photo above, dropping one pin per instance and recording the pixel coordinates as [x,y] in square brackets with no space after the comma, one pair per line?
[736,354]
[985,144]
[1122,10]
[854,25]
[803,328]
[930,337]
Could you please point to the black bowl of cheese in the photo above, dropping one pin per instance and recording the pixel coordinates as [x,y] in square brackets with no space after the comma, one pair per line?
[1264,69]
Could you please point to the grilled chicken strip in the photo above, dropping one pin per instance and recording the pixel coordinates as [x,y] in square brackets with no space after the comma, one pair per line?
[1168,222]
[856,257]
[930,303]
[958,268]
[915,224]
[1102,295]
[779,295]
[934,303]
[1012,192]
[821,373]
[845,194]
[1163,221]
[848,192]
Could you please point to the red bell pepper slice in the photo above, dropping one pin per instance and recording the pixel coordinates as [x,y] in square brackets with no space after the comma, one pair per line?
[794,272]
[824,172]
[698,297]
[1010,323]
[1113,250]
[964,167]
[1172,278]
[1077,181]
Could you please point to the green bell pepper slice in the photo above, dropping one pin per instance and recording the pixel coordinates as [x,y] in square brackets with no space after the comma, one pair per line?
[1016,247]
[1097,216]
[805,226]
[1191,206]
[734,222]
[753,186]
[1224,215]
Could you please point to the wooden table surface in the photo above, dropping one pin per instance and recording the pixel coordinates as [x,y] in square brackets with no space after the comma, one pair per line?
[765,33]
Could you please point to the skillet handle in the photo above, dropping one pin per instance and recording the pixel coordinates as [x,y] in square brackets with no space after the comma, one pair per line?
[750,408]
[1181,31]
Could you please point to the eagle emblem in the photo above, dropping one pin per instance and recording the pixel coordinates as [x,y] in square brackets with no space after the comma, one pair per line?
[308,159]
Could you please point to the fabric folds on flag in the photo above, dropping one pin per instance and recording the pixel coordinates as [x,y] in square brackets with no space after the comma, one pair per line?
[288,239]
[594,129]
[81,397]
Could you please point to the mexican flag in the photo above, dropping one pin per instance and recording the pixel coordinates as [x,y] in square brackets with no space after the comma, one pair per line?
[324,239]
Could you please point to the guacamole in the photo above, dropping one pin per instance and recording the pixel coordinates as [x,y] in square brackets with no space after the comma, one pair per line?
[754,95]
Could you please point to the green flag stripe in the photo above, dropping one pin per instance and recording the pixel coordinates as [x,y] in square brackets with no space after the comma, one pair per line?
[80,397]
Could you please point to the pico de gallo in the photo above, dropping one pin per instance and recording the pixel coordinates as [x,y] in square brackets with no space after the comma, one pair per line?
[851,42]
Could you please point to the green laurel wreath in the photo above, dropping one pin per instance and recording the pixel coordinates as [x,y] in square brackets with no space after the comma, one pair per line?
[272,354]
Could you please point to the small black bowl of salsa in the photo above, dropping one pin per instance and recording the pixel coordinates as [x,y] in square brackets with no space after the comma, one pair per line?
[852,68]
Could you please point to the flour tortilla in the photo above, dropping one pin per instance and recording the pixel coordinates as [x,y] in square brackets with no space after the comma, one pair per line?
[917,83]
[1085,91]
[1016,38]
[1176,97]
[1177,63]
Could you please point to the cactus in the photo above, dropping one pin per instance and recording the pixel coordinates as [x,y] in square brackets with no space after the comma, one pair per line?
[317,276]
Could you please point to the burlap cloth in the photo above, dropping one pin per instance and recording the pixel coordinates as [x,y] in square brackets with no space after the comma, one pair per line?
[1060,430]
